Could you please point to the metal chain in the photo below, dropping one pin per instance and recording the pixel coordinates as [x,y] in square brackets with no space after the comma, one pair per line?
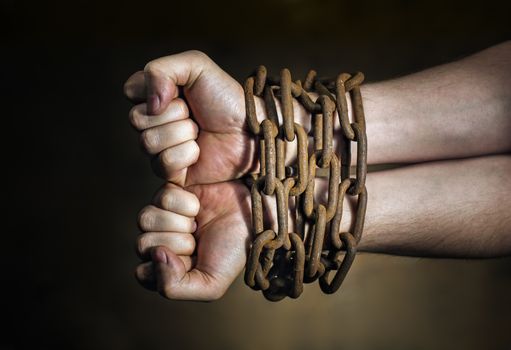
[280,262]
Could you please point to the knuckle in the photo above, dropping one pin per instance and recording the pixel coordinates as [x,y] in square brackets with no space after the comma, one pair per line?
[127,88]
[150,140]
[151,67]
[141,244]
[146,218]
[195,150]
[136,119]
[190,243]
[181,106]
[194,128]
[199,54]
[195,204]
[168,199]
[167,159]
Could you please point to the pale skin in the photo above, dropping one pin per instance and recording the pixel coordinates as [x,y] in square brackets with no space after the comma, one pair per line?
[454,120]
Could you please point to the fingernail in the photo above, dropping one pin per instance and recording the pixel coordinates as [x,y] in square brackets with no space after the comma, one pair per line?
[159,256]
[153,104]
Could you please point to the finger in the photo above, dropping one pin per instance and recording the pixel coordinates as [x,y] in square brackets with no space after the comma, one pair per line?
[173,281]
[135,87]
[172,163]
[164,75]
[179,243]
[144,272]
[173,198]
[176,110]
[155,140]
[153,219]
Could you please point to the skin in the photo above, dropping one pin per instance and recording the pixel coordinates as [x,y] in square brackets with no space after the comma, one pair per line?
[191,116]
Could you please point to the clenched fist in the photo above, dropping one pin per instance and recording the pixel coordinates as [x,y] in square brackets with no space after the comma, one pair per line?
[191,115]
[192,118]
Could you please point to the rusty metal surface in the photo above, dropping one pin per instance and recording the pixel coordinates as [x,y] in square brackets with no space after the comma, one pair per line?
[280,262]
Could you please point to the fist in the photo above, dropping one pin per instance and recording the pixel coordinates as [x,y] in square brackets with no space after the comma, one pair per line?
[191,115]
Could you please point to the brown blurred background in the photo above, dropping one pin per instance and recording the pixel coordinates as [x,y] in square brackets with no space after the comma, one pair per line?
[76,177]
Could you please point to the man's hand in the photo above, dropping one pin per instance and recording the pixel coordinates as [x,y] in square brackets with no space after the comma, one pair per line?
[214,146]
[192,118]
[189,261]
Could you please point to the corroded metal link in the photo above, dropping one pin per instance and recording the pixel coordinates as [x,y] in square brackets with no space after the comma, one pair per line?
[287,104]
[250,107]
[271,108]
[269,132]
[280,262]
[345,146]
[310,106]
[336,222]
[358,109]
[360,214]
[323,91]
[298,266]
[342,106]
[253,257]
[309,204]
[309,80]
[358,218]
[346,83]
[303,168]
[356,80]
[361,138]
[317,242]
[351,249]
[282,195]
[260,80]
[327,107]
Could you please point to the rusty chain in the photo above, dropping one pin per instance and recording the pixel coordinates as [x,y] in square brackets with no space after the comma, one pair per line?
[280,261]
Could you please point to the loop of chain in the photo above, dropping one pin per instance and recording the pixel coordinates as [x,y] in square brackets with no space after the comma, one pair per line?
[279,261]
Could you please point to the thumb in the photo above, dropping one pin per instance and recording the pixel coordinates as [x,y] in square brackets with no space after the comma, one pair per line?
[160,91]
[173,282]
[165,74]
[169,270]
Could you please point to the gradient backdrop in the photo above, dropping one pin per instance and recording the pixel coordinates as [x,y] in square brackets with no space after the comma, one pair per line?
[76,177]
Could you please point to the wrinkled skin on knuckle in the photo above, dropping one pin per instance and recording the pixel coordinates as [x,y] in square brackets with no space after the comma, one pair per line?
[151,68]
[146,218]
[168,199]
[199,55]
[135,118]
[140,245]
[149,139]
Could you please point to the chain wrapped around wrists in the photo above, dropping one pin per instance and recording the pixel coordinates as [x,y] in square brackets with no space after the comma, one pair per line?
[279,262]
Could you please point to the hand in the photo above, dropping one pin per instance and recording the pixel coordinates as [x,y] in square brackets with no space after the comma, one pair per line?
[189,261]
[215,145]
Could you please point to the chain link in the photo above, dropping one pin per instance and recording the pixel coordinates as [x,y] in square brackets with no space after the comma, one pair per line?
[279,262]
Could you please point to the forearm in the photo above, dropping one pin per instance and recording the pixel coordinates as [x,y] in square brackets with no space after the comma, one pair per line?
[456,110]
[452,209]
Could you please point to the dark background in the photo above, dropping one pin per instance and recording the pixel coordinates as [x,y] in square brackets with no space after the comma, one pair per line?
[76,177]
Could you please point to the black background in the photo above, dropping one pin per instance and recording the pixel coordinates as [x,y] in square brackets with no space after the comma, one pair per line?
[76,177]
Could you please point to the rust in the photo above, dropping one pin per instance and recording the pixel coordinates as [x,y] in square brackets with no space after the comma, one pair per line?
[280,262]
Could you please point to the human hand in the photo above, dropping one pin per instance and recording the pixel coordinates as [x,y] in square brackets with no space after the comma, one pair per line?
[188,261]
[200,136]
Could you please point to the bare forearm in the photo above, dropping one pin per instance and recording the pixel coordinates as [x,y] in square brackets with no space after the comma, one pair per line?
[452,208]
[456,110]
